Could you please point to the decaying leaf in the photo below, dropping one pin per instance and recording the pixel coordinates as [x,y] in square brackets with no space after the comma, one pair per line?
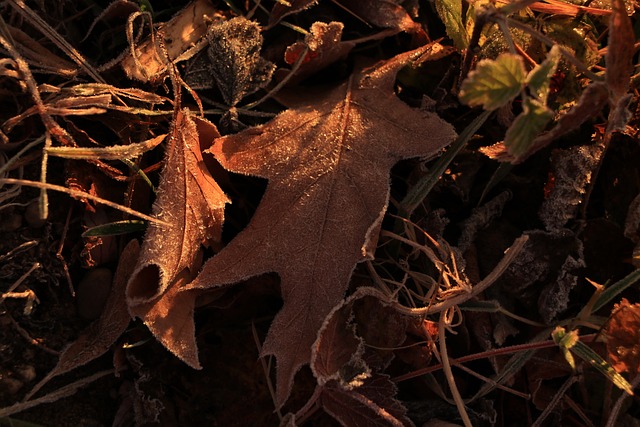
[383,14]
[328,165]
[190,200]
[94,341]
[282,9]
[543,273]
[325,46]
[372,403]
[186,29]
[236,64]
[623,342]
[572,170]
[353,391]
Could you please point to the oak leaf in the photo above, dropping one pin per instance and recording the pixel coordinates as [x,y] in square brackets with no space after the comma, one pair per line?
[191,202]
[328,166]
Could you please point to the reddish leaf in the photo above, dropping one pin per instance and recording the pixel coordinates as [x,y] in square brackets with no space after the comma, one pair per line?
[328,167]
[324,48]
[94,341]
[370,404]
[191,201]
[623,343]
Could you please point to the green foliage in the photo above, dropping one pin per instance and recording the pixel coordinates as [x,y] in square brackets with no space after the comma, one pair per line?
[539,79]
[494,83]
[450,11]
[569,342]
[533,119]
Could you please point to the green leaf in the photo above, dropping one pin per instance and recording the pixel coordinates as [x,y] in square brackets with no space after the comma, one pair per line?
[533,119]
[570,342]
[494,83]
[539,79]
[450,11]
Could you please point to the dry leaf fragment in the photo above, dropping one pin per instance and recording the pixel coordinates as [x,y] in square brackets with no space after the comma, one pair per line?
[282,9]
[383,14]
[180,34]
[328,166]
[94,341]
[190,200]
[623,342]
[325,46]
[572,170]
[236,64]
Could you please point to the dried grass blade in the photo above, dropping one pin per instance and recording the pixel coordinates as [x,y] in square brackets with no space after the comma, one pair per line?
[116,152]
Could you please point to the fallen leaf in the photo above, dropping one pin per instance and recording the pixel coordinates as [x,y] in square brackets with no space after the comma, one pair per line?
[322,46]
[282,9]
[94,341]
[623,340]
[328,166]
[372,403]
[572,169]
[190,200]
[175,37]
[383,14]
[236,64]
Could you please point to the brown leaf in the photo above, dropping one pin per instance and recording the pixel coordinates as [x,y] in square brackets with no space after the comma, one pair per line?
[370,404]
[94,341]
[623,343]
[170,319]
[572,169]
[280,9]
[190,200]
[328,167]
[383,14]
[236,64]
[324,46]
[620,51]
[180,34]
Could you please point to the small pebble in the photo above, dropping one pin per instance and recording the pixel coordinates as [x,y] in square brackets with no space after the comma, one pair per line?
[93,291]
[10,222]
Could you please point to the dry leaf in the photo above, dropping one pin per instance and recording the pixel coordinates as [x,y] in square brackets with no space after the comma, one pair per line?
[623,342]
[94,341]
[370,404]
[619,60]
[180,34]
[572,170]
[328,166]
[325,46]
[190,200]
[282,9]
[236,65]
[383,14]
